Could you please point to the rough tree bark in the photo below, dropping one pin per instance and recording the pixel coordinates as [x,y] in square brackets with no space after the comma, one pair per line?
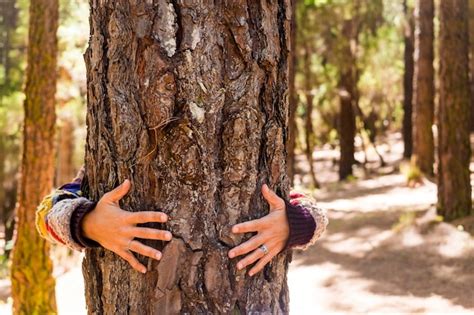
[454,186]
[408,81]
[423,87]
[347,96]
[188,99]
[32,281]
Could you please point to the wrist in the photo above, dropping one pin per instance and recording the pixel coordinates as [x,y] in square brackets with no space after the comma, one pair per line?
[82,225]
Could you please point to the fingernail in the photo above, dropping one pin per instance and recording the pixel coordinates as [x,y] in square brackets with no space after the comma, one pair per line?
[231,254]
[164,217]
[235,229]
[158,256]
[250,273]
[143,270]
[239,266]
[168,236]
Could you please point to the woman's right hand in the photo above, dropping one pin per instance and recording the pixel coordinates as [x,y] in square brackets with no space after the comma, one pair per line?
[116,229]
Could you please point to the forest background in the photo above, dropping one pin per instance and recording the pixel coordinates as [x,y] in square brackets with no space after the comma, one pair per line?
[369,93]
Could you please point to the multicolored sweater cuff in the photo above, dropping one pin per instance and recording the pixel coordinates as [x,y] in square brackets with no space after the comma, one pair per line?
[58,221]
[56,212]
[76,224]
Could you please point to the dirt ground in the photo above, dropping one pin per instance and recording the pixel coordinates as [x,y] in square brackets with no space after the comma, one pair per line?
[385,250]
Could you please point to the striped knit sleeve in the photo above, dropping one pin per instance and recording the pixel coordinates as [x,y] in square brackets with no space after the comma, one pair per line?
[54,213]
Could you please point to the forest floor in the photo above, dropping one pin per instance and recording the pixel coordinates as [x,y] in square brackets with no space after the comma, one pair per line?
[385,250]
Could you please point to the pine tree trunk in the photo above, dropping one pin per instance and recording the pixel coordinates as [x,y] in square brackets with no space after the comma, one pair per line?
[408,81]
[32,281]
[348,98]
[308,121]
[454,187]
[293,98]
[471,59]
[65,153]
[189,101]
[423,85]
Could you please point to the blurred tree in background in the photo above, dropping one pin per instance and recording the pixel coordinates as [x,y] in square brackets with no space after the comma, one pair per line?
[423,87]
[33,285]
[454,148]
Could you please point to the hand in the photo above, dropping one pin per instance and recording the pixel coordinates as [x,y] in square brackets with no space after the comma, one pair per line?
[272,231]
[116,230]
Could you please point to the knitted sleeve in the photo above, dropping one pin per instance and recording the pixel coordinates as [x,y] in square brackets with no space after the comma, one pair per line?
[307,221]
[57,210]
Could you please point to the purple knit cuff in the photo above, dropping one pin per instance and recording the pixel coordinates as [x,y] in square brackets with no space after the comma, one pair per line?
[76,224]
[302,225]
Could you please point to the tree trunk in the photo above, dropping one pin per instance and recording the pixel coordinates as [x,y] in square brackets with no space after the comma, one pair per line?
[454,187]
[423,84]
[65,153]
[308,121]
[408,81]
[309,135]
[347,96]
[32,282]
[471,59]
[293,98]
[188,100]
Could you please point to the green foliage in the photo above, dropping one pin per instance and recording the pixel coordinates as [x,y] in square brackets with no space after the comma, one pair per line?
[379,53]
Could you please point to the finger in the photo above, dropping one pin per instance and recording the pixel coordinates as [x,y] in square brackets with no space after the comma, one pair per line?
[246,247]
[275,202]
[250,259]
[261,263]
[118,193]
[148,216]
[249,226]
[128,256]
[151,234]
[144,250]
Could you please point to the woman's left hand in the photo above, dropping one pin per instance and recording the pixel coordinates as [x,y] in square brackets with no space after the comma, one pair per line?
[272,234]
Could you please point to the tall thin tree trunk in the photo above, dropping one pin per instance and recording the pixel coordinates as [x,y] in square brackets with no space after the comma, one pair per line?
[423,85]
[408,81]
[309,134]
[65,153]
[32,281]
[308,122]
[347,96]
[292,127]
[454,186]
[471,59]
[189,101]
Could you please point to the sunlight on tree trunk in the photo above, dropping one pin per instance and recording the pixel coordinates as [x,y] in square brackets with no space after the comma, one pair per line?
[454,187]
[32,280]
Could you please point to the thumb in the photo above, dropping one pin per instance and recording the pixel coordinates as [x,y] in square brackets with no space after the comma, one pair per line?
[275,202]
[119,192]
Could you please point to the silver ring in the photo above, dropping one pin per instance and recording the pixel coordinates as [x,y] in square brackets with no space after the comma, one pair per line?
[264,249]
